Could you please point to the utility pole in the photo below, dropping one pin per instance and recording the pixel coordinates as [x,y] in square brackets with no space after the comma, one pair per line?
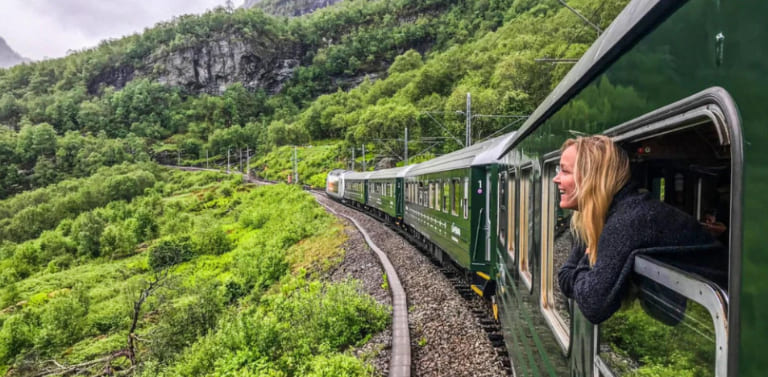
[241,159]
[247,163]
[353,158]
[406,145]
[227,160]
[365,168]
[469,120]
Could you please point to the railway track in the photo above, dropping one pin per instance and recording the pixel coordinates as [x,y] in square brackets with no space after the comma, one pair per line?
[480,310]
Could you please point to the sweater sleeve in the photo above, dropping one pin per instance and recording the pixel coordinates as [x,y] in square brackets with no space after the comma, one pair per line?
[576,261]
[599,290]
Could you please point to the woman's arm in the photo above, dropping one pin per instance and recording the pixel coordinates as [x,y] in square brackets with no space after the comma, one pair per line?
[599,290]
[577,261]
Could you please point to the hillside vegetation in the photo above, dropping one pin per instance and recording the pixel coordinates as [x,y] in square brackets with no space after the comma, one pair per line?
[182,274]
[421,58]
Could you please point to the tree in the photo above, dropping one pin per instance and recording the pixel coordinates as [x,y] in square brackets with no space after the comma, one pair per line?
[36,141]
[281,133]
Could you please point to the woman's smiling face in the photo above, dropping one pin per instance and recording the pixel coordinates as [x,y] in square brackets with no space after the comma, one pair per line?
[566,179]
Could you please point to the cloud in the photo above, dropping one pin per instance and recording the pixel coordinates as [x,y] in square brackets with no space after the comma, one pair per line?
[49,28]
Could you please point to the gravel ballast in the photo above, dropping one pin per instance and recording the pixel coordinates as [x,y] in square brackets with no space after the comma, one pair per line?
[446,337]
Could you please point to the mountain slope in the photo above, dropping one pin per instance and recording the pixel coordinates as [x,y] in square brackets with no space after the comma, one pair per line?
[8,57]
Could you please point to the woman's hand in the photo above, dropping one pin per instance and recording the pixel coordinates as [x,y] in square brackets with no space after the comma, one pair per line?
[586,252]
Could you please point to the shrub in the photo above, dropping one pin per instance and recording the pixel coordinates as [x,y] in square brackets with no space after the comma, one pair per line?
[62,321]
[117,241]
[170,251]
[86,232]
[337,366]
[15,336]
[184,321]
[212,240]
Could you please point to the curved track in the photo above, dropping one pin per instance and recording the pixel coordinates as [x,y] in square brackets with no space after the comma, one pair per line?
[400,362]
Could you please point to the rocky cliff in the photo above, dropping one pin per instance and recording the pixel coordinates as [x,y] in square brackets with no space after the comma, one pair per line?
[289,8]
[8,57]
[212,66]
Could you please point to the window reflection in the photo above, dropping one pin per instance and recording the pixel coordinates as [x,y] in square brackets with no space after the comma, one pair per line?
[633,343]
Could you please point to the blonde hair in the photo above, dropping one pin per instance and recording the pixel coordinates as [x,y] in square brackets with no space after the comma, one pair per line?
[600,171]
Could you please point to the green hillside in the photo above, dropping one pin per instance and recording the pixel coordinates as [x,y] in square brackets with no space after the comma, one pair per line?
[365,71]
[151,279]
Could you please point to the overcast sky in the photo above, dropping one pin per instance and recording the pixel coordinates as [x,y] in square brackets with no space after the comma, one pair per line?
[37,29]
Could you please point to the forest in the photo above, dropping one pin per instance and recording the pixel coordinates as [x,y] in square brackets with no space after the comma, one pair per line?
[110,262]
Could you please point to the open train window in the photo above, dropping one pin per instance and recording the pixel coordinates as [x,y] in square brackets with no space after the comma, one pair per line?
[557,242]
[688,155]
[526,206]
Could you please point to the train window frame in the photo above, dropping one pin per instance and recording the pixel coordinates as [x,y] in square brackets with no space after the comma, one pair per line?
[455,196]
[556,323]
[446,195]
[691,287]
[438,195]
[713,107]
[465,200]
[525,209]
[511,214]
[431,195]
[500,195]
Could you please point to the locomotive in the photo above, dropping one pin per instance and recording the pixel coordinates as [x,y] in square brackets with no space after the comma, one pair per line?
[677,84]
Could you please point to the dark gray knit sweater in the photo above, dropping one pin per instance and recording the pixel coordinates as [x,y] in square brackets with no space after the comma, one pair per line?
[634,221]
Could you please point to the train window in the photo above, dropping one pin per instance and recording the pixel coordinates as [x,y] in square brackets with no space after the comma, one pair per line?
[524,236]
[557,242]
[511,208]
[438,195]
[456,195]
[682,155]
[465,200]
[446,195]
[501,214]
[431,196]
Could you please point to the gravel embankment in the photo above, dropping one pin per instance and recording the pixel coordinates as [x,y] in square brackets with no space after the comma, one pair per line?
[446,338]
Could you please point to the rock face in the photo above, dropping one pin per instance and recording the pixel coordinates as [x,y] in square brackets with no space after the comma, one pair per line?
[213,66]
[8,57]
[289,8]
[116,77]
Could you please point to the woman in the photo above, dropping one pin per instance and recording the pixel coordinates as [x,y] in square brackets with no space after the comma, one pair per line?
[611,221]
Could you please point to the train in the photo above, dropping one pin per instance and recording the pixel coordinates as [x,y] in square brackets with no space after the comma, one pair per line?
[677,84]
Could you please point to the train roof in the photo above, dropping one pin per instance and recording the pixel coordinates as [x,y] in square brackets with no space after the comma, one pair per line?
[637,18]
[483,153]
[391,172]
[337,172]
[357,175]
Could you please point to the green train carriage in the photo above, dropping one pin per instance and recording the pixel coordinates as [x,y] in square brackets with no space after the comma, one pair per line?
[450,204]
[385,193]
[355,191]
[680,85]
